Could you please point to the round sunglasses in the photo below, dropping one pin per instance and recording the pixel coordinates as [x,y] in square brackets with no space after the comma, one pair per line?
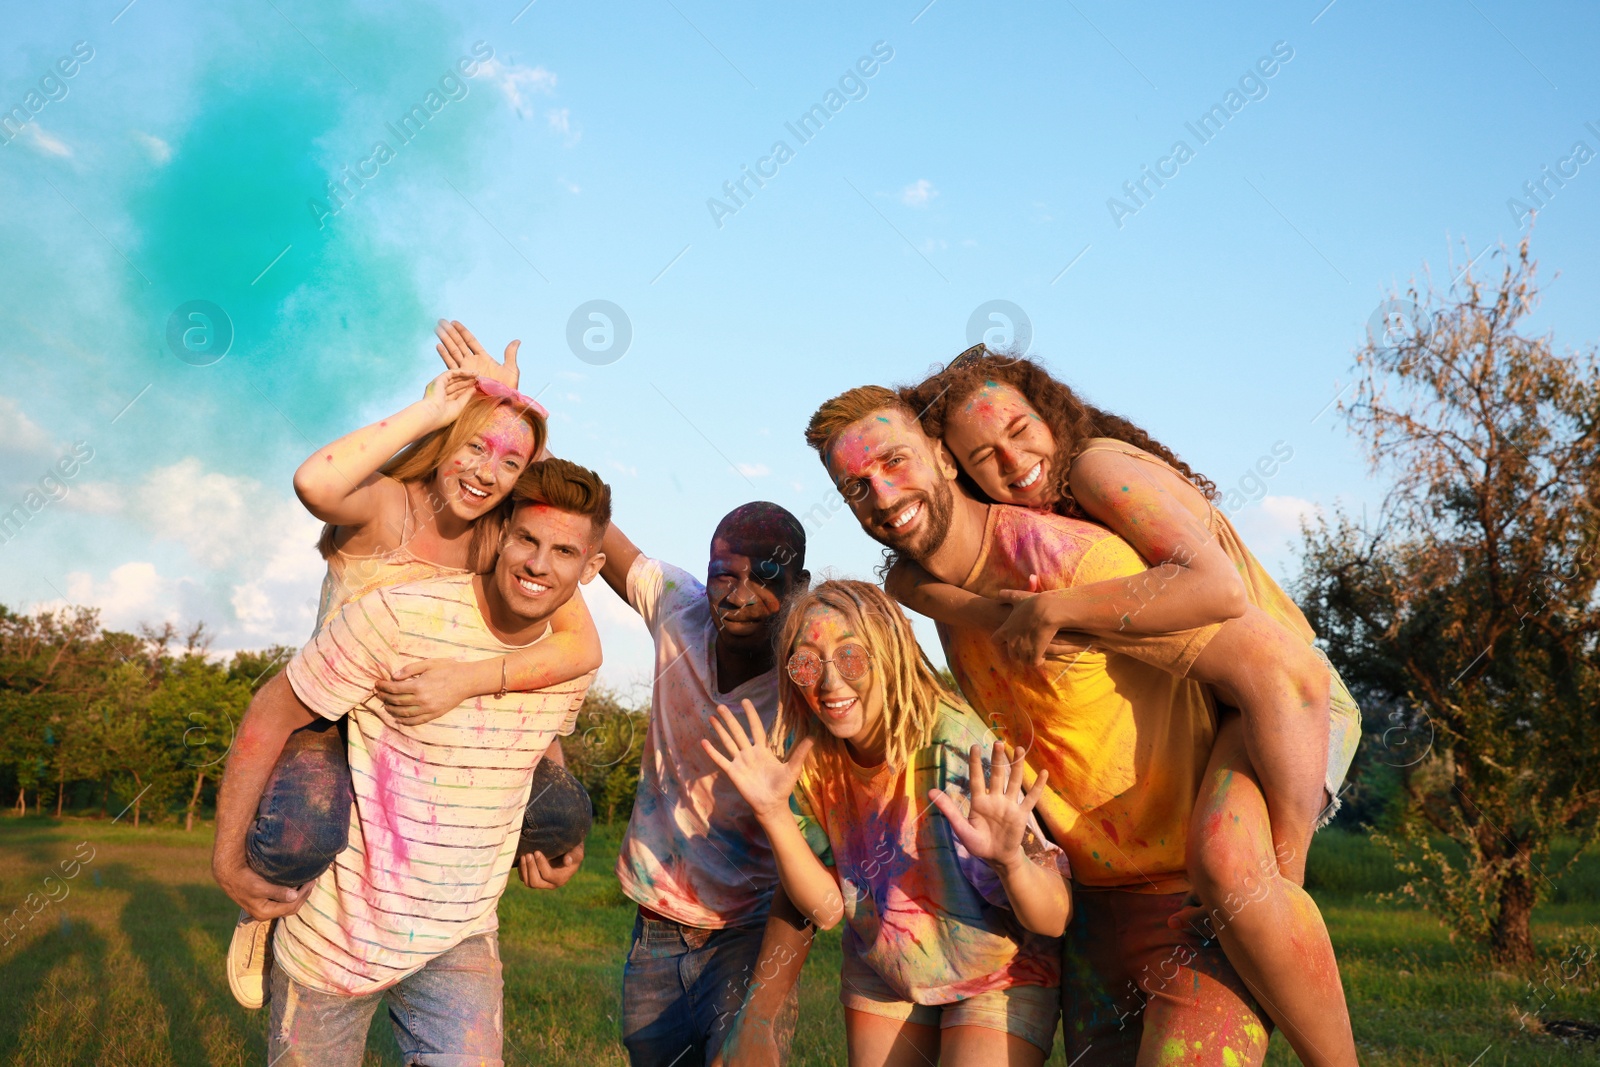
[851,660]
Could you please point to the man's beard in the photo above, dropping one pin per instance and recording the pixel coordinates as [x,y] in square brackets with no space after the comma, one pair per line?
[929,534]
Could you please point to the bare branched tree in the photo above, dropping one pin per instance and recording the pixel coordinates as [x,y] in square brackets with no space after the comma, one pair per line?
[1470,605]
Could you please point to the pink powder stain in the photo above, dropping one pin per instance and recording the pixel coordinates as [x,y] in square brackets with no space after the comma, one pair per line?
[1111,831]
[506,434]
[384,776]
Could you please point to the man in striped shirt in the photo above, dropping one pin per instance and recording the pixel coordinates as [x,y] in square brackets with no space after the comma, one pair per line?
[407,913]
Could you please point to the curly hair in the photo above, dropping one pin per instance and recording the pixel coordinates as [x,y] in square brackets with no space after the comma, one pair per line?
[1072,420]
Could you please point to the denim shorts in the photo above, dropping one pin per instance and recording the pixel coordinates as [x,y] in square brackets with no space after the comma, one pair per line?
[448,1014]
[1344,736]
[303,819]
[1026,1011]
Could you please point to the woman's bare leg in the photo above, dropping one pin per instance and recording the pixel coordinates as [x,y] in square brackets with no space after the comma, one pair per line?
[982,1046]
[1281,689]
[876,1041]
[1269,927]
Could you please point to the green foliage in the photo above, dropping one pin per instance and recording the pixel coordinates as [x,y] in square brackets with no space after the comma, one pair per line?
[130,721]
[605,750]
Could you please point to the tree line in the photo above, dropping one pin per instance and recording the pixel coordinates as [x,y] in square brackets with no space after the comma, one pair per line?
[137,726]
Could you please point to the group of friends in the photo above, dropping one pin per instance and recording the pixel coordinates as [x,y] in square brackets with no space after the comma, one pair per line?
[1101,826]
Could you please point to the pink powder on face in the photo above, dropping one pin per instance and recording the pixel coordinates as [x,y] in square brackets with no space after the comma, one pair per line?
[506,434]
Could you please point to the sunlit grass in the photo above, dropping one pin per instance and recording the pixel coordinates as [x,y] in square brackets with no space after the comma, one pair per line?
[125,965]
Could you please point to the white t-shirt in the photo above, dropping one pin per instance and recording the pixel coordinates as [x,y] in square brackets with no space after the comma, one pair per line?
[694,851]
[438,807]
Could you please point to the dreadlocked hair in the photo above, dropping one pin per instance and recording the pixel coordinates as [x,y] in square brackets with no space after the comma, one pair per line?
[912,691]
[1072,420]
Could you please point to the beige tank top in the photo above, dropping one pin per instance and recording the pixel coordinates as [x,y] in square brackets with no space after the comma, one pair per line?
[1263,591]
[350,576]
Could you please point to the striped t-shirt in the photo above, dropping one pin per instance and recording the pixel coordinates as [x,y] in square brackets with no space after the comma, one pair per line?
[438,807]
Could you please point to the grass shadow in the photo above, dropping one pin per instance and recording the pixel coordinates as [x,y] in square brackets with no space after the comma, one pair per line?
[29,989]
[163,923]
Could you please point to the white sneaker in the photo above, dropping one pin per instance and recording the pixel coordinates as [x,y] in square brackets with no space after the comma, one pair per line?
[247,961]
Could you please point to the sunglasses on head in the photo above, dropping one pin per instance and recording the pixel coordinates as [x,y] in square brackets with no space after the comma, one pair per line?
[850,660]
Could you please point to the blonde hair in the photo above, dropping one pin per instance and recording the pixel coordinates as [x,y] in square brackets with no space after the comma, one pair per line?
[912,691]
[419,461]
[848,408]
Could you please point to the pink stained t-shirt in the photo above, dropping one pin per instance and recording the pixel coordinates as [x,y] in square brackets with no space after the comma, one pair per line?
[694,851]
[438,807]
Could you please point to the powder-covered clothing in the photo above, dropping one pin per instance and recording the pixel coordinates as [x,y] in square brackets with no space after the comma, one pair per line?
[1344,715]
[438,807]
[929,918]
[694,851]
[1125,740]
[351,576]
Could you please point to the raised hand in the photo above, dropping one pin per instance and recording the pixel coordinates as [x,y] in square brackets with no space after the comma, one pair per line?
[757,773]
[448,395]
[461,351]
[997,822]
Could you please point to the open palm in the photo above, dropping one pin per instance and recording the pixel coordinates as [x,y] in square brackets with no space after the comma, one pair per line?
[461,351]
[757,773]
[997,821]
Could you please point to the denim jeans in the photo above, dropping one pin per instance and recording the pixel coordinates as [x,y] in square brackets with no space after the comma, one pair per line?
[682,988]
[303,820]
[445,1015]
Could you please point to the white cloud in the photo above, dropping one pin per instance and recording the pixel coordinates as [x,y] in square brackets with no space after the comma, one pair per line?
[94,498]
[1287,511]
[209,513]
[560,119]
[45,143]
[1271,527]
[258,545]
[753,470]
[20,435]
[277,600]
[159,151]
[515,80]
[570,187]
[231,524]
[133,593]
[918,193]
[623,468]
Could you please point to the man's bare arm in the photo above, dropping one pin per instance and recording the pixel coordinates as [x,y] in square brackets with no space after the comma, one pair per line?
[763,1028]
[274,714]
[620,554]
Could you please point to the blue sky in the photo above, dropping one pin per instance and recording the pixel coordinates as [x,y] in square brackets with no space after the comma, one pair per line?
[181,160]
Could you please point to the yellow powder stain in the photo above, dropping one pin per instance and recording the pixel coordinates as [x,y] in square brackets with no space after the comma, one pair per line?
[1173,1051]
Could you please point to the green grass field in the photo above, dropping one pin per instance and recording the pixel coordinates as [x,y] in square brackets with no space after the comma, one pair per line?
[122,963]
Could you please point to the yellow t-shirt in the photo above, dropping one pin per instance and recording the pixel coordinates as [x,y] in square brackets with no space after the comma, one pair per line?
[1125,740]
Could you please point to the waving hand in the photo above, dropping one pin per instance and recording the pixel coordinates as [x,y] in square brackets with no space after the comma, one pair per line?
[761,777]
